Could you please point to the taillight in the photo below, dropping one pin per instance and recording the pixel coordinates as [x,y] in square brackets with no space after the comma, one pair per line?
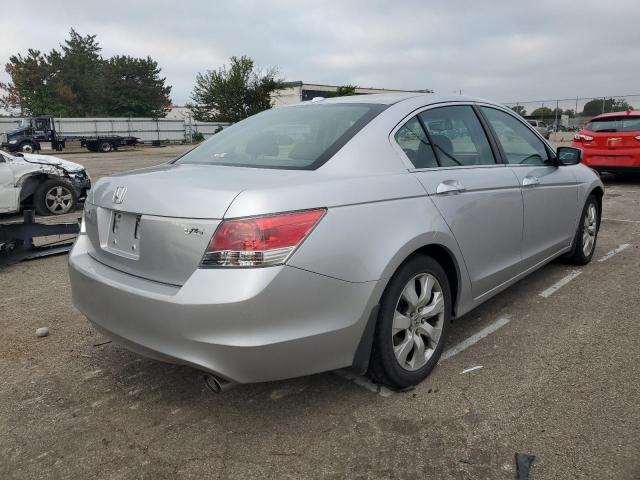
[259,241]
[579,137]
[637,137]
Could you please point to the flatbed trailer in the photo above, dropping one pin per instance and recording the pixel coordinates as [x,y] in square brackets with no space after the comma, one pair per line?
[39,133]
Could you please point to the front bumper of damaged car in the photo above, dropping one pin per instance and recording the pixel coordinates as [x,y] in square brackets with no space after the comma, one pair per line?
[81,183]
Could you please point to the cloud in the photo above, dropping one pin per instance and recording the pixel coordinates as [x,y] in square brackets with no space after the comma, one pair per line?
[503,50]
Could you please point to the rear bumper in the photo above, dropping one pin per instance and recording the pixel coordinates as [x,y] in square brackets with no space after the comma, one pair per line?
[611,160]
[246,325]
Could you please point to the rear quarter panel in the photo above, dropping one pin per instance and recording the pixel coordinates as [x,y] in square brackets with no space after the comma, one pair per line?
[367,242]
[372,225]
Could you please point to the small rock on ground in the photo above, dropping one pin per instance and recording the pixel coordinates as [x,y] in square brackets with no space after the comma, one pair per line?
[42,332]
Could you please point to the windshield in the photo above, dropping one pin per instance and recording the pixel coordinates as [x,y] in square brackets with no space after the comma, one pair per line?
[299,137]
[614,124]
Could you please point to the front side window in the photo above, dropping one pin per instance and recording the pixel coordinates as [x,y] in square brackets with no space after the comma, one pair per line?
[457,136]
[298,137]
[415,144]
[519,143]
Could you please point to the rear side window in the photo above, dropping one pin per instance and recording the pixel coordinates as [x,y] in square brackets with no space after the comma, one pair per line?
[614,124]
[519,143]
[300,137]
[415,144]
[457,136]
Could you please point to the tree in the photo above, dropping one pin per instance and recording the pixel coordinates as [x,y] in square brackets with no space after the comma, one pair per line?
[76,81]
[557,111]
[570,112]
[79,68]
[542,112]
[133,88]
[34,88]
[519,109]
[234,93]
[600,105]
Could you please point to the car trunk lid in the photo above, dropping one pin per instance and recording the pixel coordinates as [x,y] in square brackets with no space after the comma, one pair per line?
[613,140]
[156,223]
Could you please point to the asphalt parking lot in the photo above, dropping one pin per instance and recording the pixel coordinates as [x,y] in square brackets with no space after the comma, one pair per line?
[559,358]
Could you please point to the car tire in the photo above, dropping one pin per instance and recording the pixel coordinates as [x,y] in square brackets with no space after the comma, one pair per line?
[584,242]
[28,147]
[55,197]
[409,301]
[105,147]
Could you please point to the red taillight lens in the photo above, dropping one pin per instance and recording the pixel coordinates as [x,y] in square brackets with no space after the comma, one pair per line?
[580,137]
[259,241]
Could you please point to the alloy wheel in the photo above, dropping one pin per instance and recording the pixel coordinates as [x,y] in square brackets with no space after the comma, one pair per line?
[590,229]
[58,200]
[418,321]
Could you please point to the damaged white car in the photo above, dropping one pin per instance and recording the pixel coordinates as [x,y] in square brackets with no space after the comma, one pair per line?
[50,185]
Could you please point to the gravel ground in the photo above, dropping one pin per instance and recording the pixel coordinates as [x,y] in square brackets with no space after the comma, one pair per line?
[558,380]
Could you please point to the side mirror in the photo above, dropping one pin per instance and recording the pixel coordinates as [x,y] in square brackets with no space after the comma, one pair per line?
[569,155]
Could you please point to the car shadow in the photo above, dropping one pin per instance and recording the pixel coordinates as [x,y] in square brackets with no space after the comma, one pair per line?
[616,179]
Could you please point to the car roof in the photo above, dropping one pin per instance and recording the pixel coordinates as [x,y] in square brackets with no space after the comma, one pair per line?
[393,98]
[624,113]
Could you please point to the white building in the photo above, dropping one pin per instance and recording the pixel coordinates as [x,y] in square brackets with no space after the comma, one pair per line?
[179,112]
[295,92]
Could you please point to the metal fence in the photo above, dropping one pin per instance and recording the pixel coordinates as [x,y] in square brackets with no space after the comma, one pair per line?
[574,112]
[146,129]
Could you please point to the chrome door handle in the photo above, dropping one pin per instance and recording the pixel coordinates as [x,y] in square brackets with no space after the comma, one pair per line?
[530,181]
[449,187]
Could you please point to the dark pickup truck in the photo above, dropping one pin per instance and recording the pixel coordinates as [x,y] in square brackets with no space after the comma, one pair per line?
[39,133]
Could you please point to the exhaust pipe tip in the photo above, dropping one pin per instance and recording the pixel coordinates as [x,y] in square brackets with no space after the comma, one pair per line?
[217,384]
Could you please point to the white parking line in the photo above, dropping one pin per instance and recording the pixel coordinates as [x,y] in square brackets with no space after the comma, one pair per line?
[559,284]
[615,251]
[472,369]
[475,338]
[364,382]
[619,220]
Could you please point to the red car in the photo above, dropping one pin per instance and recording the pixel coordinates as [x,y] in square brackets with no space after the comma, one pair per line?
[611,142]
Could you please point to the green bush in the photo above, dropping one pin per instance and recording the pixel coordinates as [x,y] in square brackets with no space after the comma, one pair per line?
[197,137]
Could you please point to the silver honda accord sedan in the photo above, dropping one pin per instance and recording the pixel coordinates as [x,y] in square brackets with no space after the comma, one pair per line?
[346,232]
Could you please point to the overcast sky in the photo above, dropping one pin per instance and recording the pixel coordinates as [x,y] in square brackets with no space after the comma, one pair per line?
[503,50]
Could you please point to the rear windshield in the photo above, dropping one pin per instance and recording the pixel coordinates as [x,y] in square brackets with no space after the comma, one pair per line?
[299,137]
[614,124]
